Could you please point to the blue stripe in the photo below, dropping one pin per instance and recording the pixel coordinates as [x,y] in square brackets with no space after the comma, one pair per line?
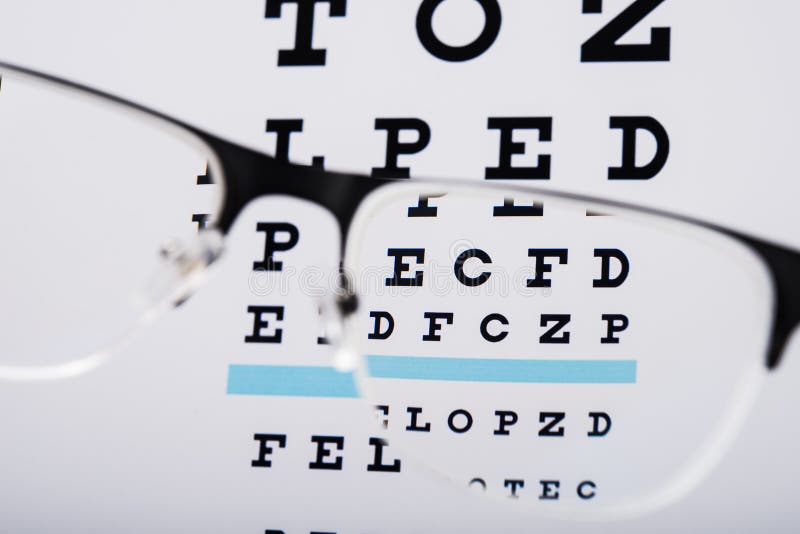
[290,380]
[313,381]
[498,370]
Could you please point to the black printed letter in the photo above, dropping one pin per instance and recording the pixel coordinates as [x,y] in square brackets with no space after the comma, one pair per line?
[541,267]
[303,53]
[283,128]
[259,323]
[400,266]
[323,452]
[265,450]
[423,209]
[413,425]
[458,267]
[481,44]
[598,430]
[505,420]
[494,338]
[434,326]
[605,255]
[582,493]
[615,323]
[394,147]
[509,209]
[513,484]
[628,170]
[379,316]
[467,421]
[271,245]
[549,489]
[377,463]
[509,147]
[561,321]
[603,46]
[552,419]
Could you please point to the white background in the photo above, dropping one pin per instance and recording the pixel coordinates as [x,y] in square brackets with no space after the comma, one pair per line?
[152,442]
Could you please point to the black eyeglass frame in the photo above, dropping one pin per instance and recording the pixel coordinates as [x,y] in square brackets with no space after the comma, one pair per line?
[250,174]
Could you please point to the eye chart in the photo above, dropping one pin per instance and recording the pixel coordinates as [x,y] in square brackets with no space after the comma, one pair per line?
[687,107]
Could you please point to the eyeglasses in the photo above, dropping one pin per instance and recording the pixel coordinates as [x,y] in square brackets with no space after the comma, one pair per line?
[509,337]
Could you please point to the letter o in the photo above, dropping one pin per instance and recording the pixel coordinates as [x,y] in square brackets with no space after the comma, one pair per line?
[481,44]
[479,481]
[467,424]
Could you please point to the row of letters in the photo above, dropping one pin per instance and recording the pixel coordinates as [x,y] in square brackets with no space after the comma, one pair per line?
[460,421]
[491,326]
[631,128]
[328,457]
[602,46]
[609,257]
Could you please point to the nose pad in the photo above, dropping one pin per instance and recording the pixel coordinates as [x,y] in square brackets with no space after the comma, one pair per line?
[337,313]
[182,270]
